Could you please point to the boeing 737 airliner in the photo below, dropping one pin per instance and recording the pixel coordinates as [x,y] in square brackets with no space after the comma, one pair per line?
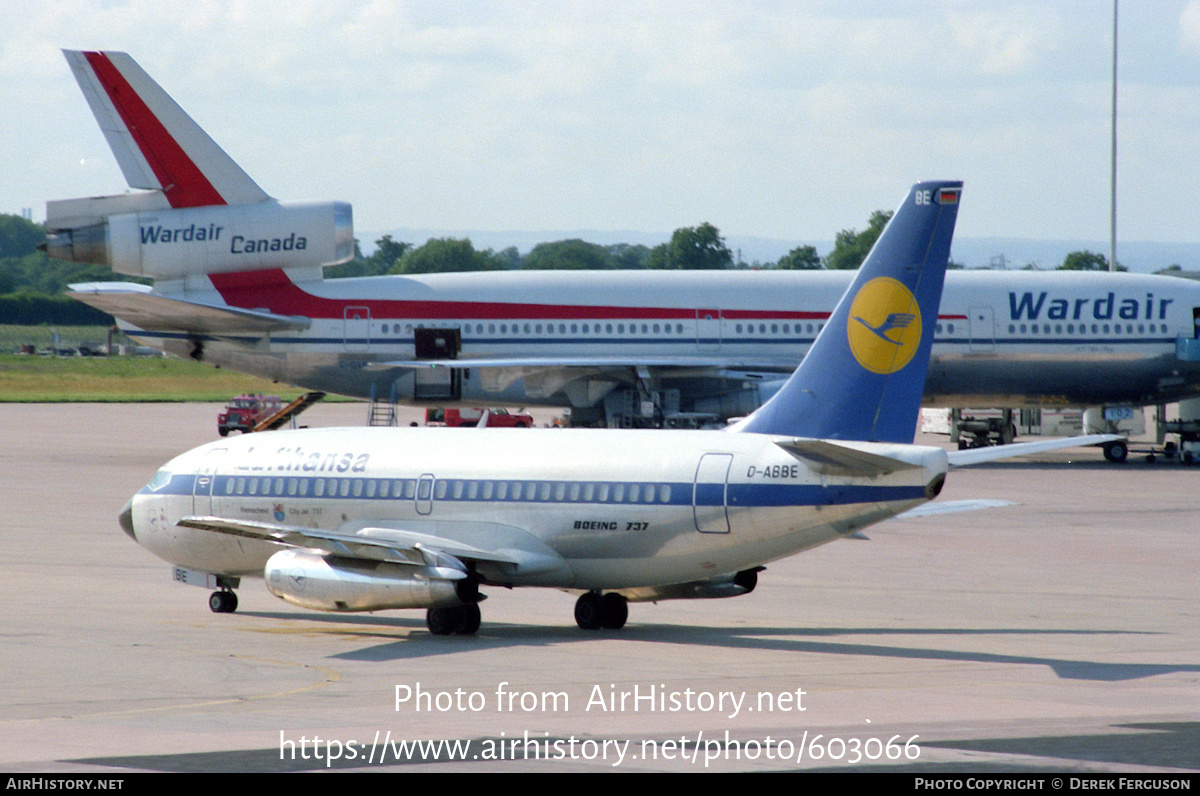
[238,284]
[376,518]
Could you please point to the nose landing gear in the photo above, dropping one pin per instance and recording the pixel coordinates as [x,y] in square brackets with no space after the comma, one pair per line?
[223,602]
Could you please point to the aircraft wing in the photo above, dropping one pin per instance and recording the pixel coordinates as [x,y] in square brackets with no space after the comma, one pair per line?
[509,549]
[971,456]
[142,307]
[951,507]
[545,375]
[829,458]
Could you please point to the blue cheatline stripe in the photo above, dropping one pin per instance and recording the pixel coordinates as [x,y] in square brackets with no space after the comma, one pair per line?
[731,342]
[608,493]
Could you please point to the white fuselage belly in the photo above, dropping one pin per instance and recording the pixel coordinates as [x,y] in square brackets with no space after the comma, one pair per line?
[658,515]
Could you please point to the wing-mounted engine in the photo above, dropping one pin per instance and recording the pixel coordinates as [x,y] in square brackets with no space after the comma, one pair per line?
[330,583]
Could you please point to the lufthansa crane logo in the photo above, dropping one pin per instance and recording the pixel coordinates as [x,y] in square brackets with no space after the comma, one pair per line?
[884,328]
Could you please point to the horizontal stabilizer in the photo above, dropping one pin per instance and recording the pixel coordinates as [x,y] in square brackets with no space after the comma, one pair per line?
[952,507]
[981,455]
[829,458]
[142,307]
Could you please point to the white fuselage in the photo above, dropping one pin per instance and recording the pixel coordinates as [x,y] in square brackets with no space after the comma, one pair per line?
[1009,338]
[663,509]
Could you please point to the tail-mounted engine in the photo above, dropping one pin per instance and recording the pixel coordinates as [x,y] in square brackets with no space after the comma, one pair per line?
[133,236]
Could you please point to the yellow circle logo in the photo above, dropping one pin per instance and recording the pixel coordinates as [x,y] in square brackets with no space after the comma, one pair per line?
[884,327]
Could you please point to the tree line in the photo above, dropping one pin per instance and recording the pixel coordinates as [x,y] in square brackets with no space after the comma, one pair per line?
[32,284]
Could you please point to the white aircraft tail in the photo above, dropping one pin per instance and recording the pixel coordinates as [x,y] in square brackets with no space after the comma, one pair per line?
[199,213]
[158,146]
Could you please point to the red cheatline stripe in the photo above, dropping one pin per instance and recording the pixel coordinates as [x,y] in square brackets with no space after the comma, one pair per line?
[183,182]
[273,291]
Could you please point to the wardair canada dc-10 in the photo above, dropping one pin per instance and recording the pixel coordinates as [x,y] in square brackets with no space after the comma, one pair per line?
[377,518]
[238,283]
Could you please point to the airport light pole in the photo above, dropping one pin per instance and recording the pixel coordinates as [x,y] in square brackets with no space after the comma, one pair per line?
[1112,219]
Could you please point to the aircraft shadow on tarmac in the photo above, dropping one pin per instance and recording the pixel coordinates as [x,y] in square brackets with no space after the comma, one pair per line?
[407,639]
[1173,744]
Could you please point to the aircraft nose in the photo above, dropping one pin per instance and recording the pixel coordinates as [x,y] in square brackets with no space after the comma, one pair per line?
[125,518]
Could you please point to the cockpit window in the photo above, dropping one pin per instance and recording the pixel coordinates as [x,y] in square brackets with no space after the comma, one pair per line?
[160,479]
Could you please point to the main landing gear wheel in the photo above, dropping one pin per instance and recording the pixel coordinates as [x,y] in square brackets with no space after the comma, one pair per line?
[461,619]
[593,611]
[222,602]
[1116,452]
[614,610]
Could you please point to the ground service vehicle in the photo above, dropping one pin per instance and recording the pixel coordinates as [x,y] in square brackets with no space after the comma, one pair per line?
[496,418]
[247,411]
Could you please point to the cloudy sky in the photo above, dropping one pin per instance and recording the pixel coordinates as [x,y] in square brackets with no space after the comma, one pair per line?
[779,119]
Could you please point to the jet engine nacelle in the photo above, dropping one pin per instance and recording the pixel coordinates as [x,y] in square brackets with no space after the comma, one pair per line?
[311,580]
[168,243]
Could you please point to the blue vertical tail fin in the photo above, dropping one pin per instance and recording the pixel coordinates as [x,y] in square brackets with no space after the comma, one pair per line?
[865,373]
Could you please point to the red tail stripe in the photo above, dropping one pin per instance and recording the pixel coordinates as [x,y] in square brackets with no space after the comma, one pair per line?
[183,182]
